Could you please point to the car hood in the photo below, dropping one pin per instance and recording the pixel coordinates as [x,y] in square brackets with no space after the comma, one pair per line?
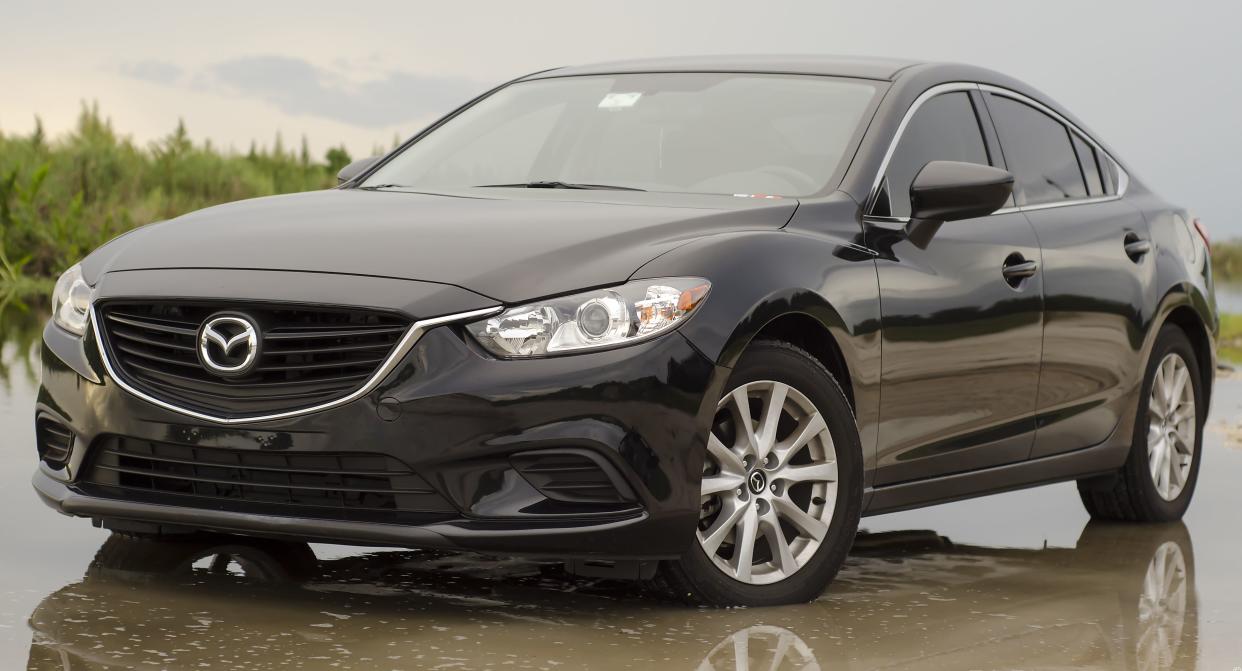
[521,244]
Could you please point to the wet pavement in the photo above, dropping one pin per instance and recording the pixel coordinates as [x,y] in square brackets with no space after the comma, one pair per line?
[1020,580]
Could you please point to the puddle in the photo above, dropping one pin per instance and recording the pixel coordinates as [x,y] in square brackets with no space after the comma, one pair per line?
[1020,580]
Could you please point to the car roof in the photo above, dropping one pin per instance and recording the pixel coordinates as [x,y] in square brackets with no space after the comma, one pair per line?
[841,66]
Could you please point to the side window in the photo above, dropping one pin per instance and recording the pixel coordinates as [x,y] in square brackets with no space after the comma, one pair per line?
[1038,151]
[944,128]
[1089,162]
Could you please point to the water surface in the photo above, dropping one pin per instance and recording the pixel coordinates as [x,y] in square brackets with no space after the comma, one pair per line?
[1020,580]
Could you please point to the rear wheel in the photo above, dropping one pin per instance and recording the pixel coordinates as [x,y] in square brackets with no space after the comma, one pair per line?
[782,485]
[1158,479]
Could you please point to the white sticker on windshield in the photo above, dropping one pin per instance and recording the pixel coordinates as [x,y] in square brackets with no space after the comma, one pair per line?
[614,101]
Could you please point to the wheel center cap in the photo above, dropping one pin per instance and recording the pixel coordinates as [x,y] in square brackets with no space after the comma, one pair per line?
[757,481]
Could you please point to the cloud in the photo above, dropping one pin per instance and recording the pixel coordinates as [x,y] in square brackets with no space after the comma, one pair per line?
[376,99]
[156,72]
[300,88]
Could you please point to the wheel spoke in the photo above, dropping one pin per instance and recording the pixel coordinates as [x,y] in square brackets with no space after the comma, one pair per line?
[807,430]
[1155,403]
[781,554]
[725,458]
[744,544]
[773,406]
[724,482]
[741,413]
[823,472]
[1175,470]
[1154,456]
[729,516]
[801,519]
[1183,412]
[1179,443]
[1180,377]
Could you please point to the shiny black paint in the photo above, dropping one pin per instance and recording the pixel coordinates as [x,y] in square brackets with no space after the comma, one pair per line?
[961,347]
[962,383]
[460,415]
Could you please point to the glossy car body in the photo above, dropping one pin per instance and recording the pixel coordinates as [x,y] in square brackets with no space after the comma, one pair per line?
[963,381]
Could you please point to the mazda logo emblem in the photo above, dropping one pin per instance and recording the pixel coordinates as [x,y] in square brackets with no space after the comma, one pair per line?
[757,481]
[228,345]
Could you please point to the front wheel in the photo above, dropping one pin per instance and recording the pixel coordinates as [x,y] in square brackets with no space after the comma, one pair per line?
[1158,478]
[781,492]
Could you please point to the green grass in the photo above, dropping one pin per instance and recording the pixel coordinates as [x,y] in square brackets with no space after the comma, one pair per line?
[61,198]
[1227,261]
[1229,347]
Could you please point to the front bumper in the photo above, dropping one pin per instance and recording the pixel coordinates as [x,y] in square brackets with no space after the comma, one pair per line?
[453,415]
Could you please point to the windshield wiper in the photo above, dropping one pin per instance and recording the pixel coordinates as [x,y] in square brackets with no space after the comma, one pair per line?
[555,184]
[376,187]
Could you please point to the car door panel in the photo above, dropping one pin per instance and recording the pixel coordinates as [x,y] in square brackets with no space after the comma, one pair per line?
[961,348]
[1094,322]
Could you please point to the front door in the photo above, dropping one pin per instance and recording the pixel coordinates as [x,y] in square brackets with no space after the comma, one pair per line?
[962,314]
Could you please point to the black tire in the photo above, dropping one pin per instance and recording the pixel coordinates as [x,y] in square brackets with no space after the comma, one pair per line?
[696,579]
[1130,494]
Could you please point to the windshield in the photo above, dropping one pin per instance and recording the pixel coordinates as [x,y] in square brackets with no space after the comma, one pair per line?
[673,132]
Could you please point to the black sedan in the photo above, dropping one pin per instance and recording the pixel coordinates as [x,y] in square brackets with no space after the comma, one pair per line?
[686,319]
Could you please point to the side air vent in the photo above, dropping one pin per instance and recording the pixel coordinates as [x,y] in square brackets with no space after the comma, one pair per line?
[572,476]
[54,441]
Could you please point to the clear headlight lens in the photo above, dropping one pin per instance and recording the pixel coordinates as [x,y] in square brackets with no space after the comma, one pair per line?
[601,318]
[71,302]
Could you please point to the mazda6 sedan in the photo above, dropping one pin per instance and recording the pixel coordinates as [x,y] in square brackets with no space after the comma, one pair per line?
[684,320]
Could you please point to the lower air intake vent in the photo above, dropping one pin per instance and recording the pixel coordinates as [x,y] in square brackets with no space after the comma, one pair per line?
[572,477]
[320,485]
[54,441]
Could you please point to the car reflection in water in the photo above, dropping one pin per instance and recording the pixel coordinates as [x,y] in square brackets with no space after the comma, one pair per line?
[1122,598]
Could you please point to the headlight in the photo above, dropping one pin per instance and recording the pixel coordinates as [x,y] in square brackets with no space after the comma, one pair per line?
[591,320]
[71,301]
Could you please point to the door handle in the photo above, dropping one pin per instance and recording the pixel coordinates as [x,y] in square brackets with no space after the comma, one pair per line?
[1136,246]
[1020,270]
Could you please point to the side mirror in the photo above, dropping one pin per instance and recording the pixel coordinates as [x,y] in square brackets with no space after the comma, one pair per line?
[354,169]
[950,190]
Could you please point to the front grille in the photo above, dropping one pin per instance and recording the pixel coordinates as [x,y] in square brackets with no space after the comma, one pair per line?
[309,356]
[321,485]
[54,441]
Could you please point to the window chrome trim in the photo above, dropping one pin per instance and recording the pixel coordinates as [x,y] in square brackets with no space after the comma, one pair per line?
[901,129]
[1123,177]
[407,342]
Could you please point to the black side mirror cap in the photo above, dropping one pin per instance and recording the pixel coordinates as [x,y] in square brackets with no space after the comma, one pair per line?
[354,169]
[951,190]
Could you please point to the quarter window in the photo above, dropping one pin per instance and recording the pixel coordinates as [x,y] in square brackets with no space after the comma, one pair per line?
[1089,162]
[1038,151]
[945,128]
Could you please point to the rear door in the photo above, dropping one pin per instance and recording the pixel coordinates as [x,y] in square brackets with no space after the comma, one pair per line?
[961,340]
[1096,272]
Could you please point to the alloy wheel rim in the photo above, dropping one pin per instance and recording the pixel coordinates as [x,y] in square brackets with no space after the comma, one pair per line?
[1162,608]
[1172,422]
[769,483]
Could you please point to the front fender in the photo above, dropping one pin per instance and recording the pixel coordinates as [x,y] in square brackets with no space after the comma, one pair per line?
[760,276]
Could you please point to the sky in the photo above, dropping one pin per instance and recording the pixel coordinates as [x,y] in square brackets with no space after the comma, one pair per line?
[1157,81]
